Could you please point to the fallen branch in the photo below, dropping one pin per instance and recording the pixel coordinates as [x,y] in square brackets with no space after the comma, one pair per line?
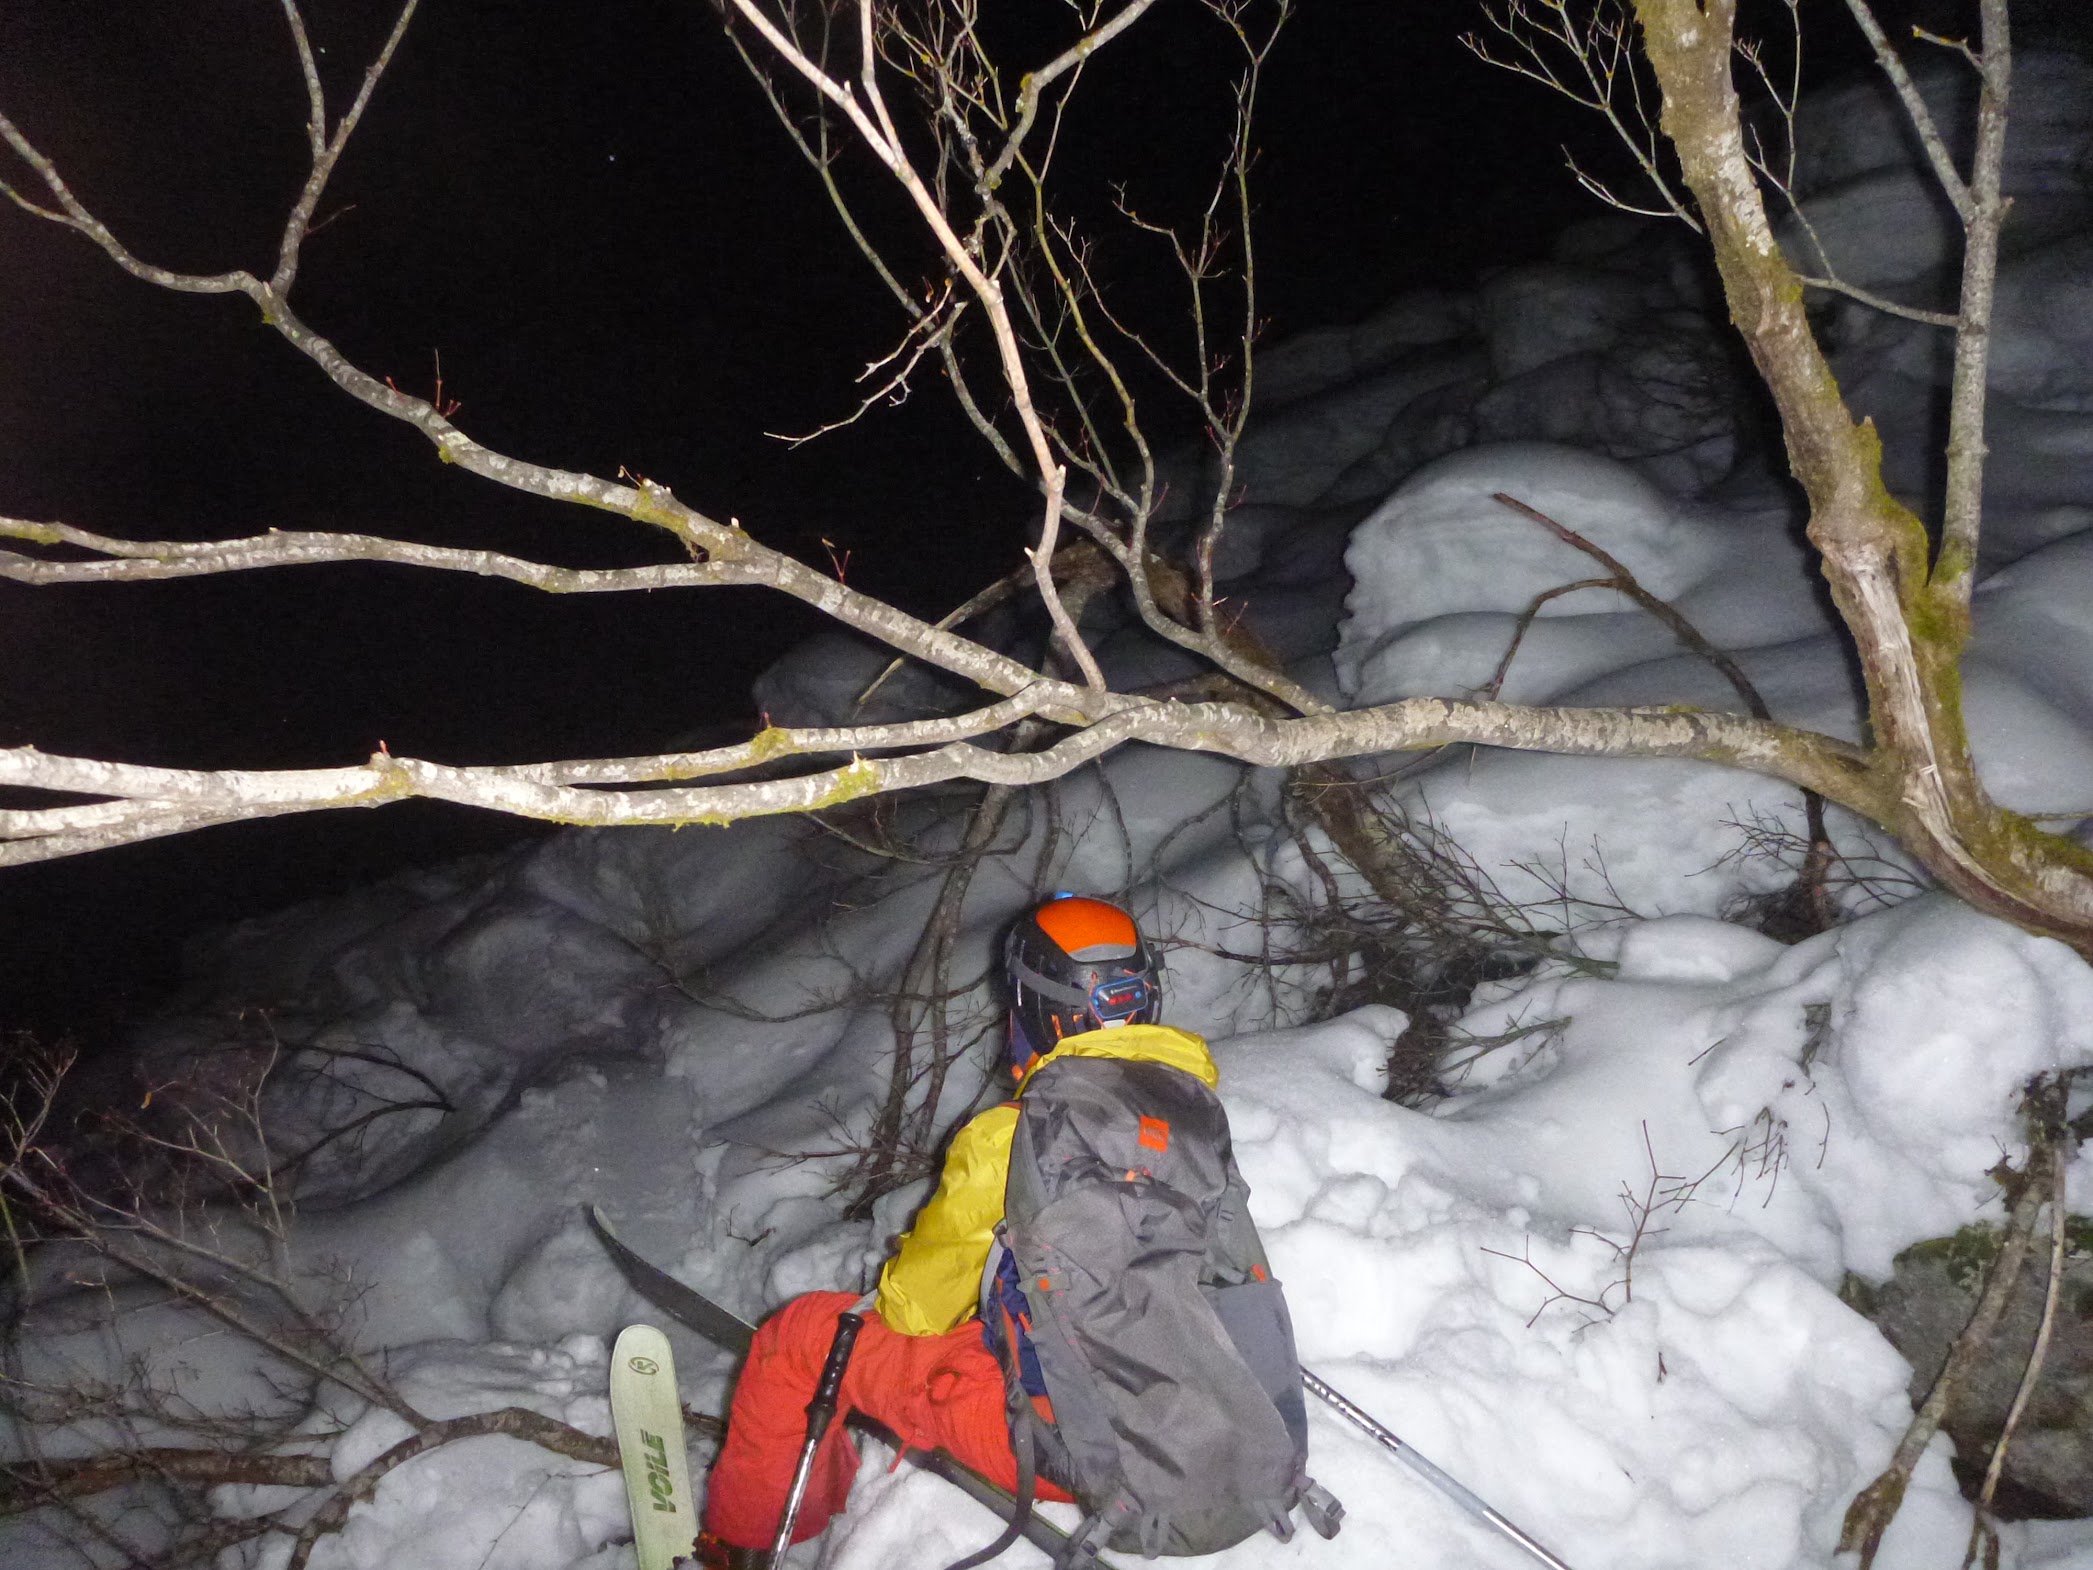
[27,1485]
[515,1421]
[1811,880]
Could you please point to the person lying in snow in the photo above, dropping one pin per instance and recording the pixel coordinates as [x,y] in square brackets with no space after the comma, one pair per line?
[1083,989]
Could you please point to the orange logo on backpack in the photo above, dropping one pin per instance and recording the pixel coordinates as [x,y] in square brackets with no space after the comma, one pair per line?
[1155,1134]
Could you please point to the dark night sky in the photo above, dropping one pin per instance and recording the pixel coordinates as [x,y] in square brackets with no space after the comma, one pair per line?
[588,210]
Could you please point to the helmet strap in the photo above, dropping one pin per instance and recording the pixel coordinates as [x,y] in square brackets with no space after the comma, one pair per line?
[1048,987]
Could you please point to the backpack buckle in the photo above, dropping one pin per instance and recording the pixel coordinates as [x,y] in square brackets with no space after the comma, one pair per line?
[1080,1552]
[1320,1508]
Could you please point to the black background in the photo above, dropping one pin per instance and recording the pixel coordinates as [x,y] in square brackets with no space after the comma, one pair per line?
[586,208]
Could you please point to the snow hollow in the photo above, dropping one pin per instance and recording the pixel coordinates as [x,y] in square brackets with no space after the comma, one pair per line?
[1594,1269]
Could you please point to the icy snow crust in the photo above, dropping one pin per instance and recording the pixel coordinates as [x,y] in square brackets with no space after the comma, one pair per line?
[1599,1283]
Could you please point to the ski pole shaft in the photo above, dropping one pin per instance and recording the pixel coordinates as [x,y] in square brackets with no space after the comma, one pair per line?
[821,1411]
[1393,1442]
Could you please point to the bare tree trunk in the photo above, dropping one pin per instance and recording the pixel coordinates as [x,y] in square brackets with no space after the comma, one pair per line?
[1910,621]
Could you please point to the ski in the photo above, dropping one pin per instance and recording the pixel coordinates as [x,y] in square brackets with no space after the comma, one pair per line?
[647,1415]
[727,1331]
[730,1332]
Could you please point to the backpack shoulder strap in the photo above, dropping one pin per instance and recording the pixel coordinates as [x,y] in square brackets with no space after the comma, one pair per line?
[1235,1252]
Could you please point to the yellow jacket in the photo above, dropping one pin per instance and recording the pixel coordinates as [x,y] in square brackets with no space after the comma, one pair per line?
[933,1282]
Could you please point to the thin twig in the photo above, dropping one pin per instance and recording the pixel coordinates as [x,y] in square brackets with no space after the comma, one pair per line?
[1875,1506]
[1607,70]
[1879,302]
[1982,1534]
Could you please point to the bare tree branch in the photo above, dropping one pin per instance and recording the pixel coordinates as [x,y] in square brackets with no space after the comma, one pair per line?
[149,802]
[644,502]
[940,53]
[133,561]
[326,150]
[515,1421]
[1962,513]
[875,125]
[1029,280]
[1915,110]
[24,1485]
[1034,82]
[153,1220]
[1821,852]
[1878,302]
[1605,79]
[1875,1506]
[1982,1535]
[1625,582]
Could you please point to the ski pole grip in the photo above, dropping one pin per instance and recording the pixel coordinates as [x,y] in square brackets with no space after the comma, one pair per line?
[821,1411]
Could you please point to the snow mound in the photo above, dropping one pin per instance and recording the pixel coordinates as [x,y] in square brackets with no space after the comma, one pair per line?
[1442,572]
[1441,543]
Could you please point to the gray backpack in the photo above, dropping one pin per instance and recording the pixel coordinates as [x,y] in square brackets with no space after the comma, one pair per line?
[1158,1333]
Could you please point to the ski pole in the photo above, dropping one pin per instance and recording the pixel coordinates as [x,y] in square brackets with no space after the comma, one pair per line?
[821,1411]
[1392,1442]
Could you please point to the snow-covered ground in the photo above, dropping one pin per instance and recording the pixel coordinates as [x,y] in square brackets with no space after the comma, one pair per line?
[1600,1281]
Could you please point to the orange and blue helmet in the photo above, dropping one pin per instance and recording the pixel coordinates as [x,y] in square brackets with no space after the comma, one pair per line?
[1074,965]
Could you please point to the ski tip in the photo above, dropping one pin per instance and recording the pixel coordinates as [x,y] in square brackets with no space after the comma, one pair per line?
[640,1337]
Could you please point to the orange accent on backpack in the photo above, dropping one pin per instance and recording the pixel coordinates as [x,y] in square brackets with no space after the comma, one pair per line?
[1155,1134]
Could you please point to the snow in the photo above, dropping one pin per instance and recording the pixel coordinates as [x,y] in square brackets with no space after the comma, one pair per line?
[1705,1398]
[1599,1282]
[1442,572]
[551,1511]
[1855,152]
